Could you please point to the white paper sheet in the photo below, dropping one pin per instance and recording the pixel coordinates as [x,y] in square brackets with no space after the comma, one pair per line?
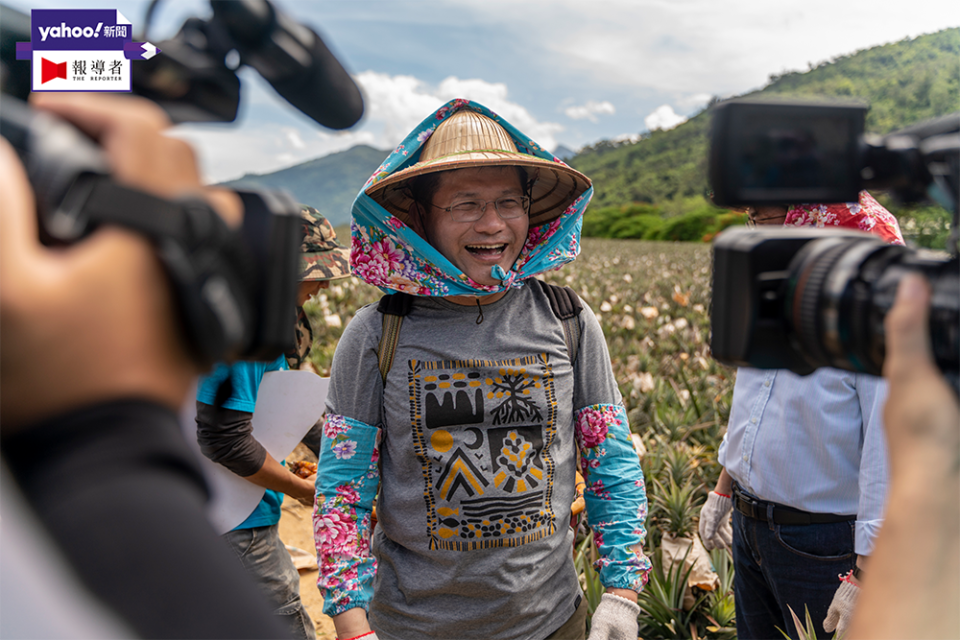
[288,404]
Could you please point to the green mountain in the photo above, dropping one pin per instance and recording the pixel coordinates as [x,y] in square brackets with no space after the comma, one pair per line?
[653,188]
[329,183]
[665,173]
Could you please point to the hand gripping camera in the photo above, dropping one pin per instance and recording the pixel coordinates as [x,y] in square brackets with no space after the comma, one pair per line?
[235,289]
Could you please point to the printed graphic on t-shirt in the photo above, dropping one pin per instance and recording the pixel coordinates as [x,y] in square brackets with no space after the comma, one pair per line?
[483,430]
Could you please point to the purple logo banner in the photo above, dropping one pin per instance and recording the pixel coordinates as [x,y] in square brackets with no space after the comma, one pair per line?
[81,50]
[79,30]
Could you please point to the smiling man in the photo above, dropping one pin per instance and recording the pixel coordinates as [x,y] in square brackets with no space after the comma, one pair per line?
[463,232]
[469,415]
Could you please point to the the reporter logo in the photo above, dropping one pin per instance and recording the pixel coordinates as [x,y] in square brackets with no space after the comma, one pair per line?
[81,50]
[52,70]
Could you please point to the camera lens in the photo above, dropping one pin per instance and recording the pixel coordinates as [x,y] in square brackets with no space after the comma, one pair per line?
[804,298]
[834,303]
[945,319]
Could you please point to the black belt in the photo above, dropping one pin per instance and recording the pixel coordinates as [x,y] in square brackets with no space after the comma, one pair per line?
[779,513]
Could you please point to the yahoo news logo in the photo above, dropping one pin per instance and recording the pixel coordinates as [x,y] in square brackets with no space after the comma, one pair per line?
[65,31]
[81,50]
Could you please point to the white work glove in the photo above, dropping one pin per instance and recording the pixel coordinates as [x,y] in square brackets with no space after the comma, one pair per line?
[615,619]
[715,529]
[841,609]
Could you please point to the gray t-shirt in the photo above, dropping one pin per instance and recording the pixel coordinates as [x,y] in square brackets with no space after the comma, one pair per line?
[477,462]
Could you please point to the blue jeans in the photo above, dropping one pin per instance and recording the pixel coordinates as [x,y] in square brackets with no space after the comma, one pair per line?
[787,565]
[263,555]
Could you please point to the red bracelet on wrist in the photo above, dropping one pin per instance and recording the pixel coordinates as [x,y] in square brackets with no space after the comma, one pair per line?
[722,495]
[362,635]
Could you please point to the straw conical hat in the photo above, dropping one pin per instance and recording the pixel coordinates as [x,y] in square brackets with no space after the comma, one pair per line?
[469,139]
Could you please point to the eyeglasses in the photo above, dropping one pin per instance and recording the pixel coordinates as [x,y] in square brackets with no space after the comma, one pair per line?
[508,208]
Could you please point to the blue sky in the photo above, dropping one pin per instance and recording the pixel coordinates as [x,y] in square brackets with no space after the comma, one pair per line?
[568,72]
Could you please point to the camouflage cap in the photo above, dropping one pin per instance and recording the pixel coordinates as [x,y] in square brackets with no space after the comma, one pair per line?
[322,257]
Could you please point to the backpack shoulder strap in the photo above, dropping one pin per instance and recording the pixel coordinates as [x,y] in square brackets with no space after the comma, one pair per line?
[393,307]
[566,305]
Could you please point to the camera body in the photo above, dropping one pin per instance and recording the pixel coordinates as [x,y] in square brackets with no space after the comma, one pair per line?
[748,326]
[804,298]
[764,153]
[235,290]
[767,153]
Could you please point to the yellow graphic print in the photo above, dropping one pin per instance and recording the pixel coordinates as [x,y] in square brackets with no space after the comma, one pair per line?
[460,472]
[482,431]
[515,460]
[441,440]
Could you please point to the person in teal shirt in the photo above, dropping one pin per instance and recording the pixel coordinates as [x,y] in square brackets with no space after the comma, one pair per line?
[225,435]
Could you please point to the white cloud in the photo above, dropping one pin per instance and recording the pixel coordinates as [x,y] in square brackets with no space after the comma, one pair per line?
[628,137]
[397,104]
[293,137]
[664,118]
[726,47]
[641,53]
[590,110]
[694,101]
[394,105]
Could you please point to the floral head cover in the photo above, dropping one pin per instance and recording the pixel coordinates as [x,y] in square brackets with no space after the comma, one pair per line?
[865,215]
[388,254]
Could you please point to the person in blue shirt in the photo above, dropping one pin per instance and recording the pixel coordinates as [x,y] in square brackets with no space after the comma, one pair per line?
[804,472]
[225,435]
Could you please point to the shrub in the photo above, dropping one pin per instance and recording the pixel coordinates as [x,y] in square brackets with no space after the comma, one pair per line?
[600,223]
[926,227]
[637,227]
[690,227]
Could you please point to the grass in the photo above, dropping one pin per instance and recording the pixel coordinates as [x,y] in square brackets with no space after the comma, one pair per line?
[806,630]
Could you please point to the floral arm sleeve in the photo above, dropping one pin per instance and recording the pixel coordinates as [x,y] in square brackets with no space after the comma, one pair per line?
[615,495]
[347,480]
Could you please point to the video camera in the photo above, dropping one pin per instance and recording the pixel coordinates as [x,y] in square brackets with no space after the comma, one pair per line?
[235,289]
[805,298]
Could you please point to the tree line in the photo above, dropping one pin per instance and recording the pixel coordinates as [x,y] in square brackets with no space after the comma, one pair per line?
[655,188]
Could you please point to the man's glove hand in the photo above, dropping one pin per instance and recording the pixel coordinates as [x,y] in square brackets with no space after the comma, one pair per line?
[841,609]
[715,530]
[615,619]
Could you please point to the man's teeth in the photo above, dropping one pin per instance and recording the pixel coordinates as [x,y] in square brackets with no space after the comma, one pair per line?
[486,247]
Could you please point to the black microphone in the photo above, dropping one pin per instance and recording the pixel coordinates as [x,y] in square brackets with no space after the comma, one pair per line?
[293,59]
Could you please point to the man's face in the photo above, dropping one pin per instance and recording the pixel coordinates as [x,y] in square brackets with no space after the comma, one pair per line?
[474,247]
[308,289]
[769,216]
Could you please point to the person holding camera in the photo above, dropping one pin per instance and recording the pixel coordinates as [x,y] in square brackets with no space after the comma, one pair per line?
[94,368]
[225,435]
[913,588]
[804,472]
[466,397]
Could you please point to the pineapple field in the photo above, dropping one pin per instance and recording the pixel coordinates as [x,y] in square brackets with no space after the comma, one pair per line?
[652,300]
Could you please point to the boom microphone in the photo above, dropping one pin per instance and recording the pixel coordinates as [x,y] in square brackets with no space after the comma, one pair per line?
[293,59]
